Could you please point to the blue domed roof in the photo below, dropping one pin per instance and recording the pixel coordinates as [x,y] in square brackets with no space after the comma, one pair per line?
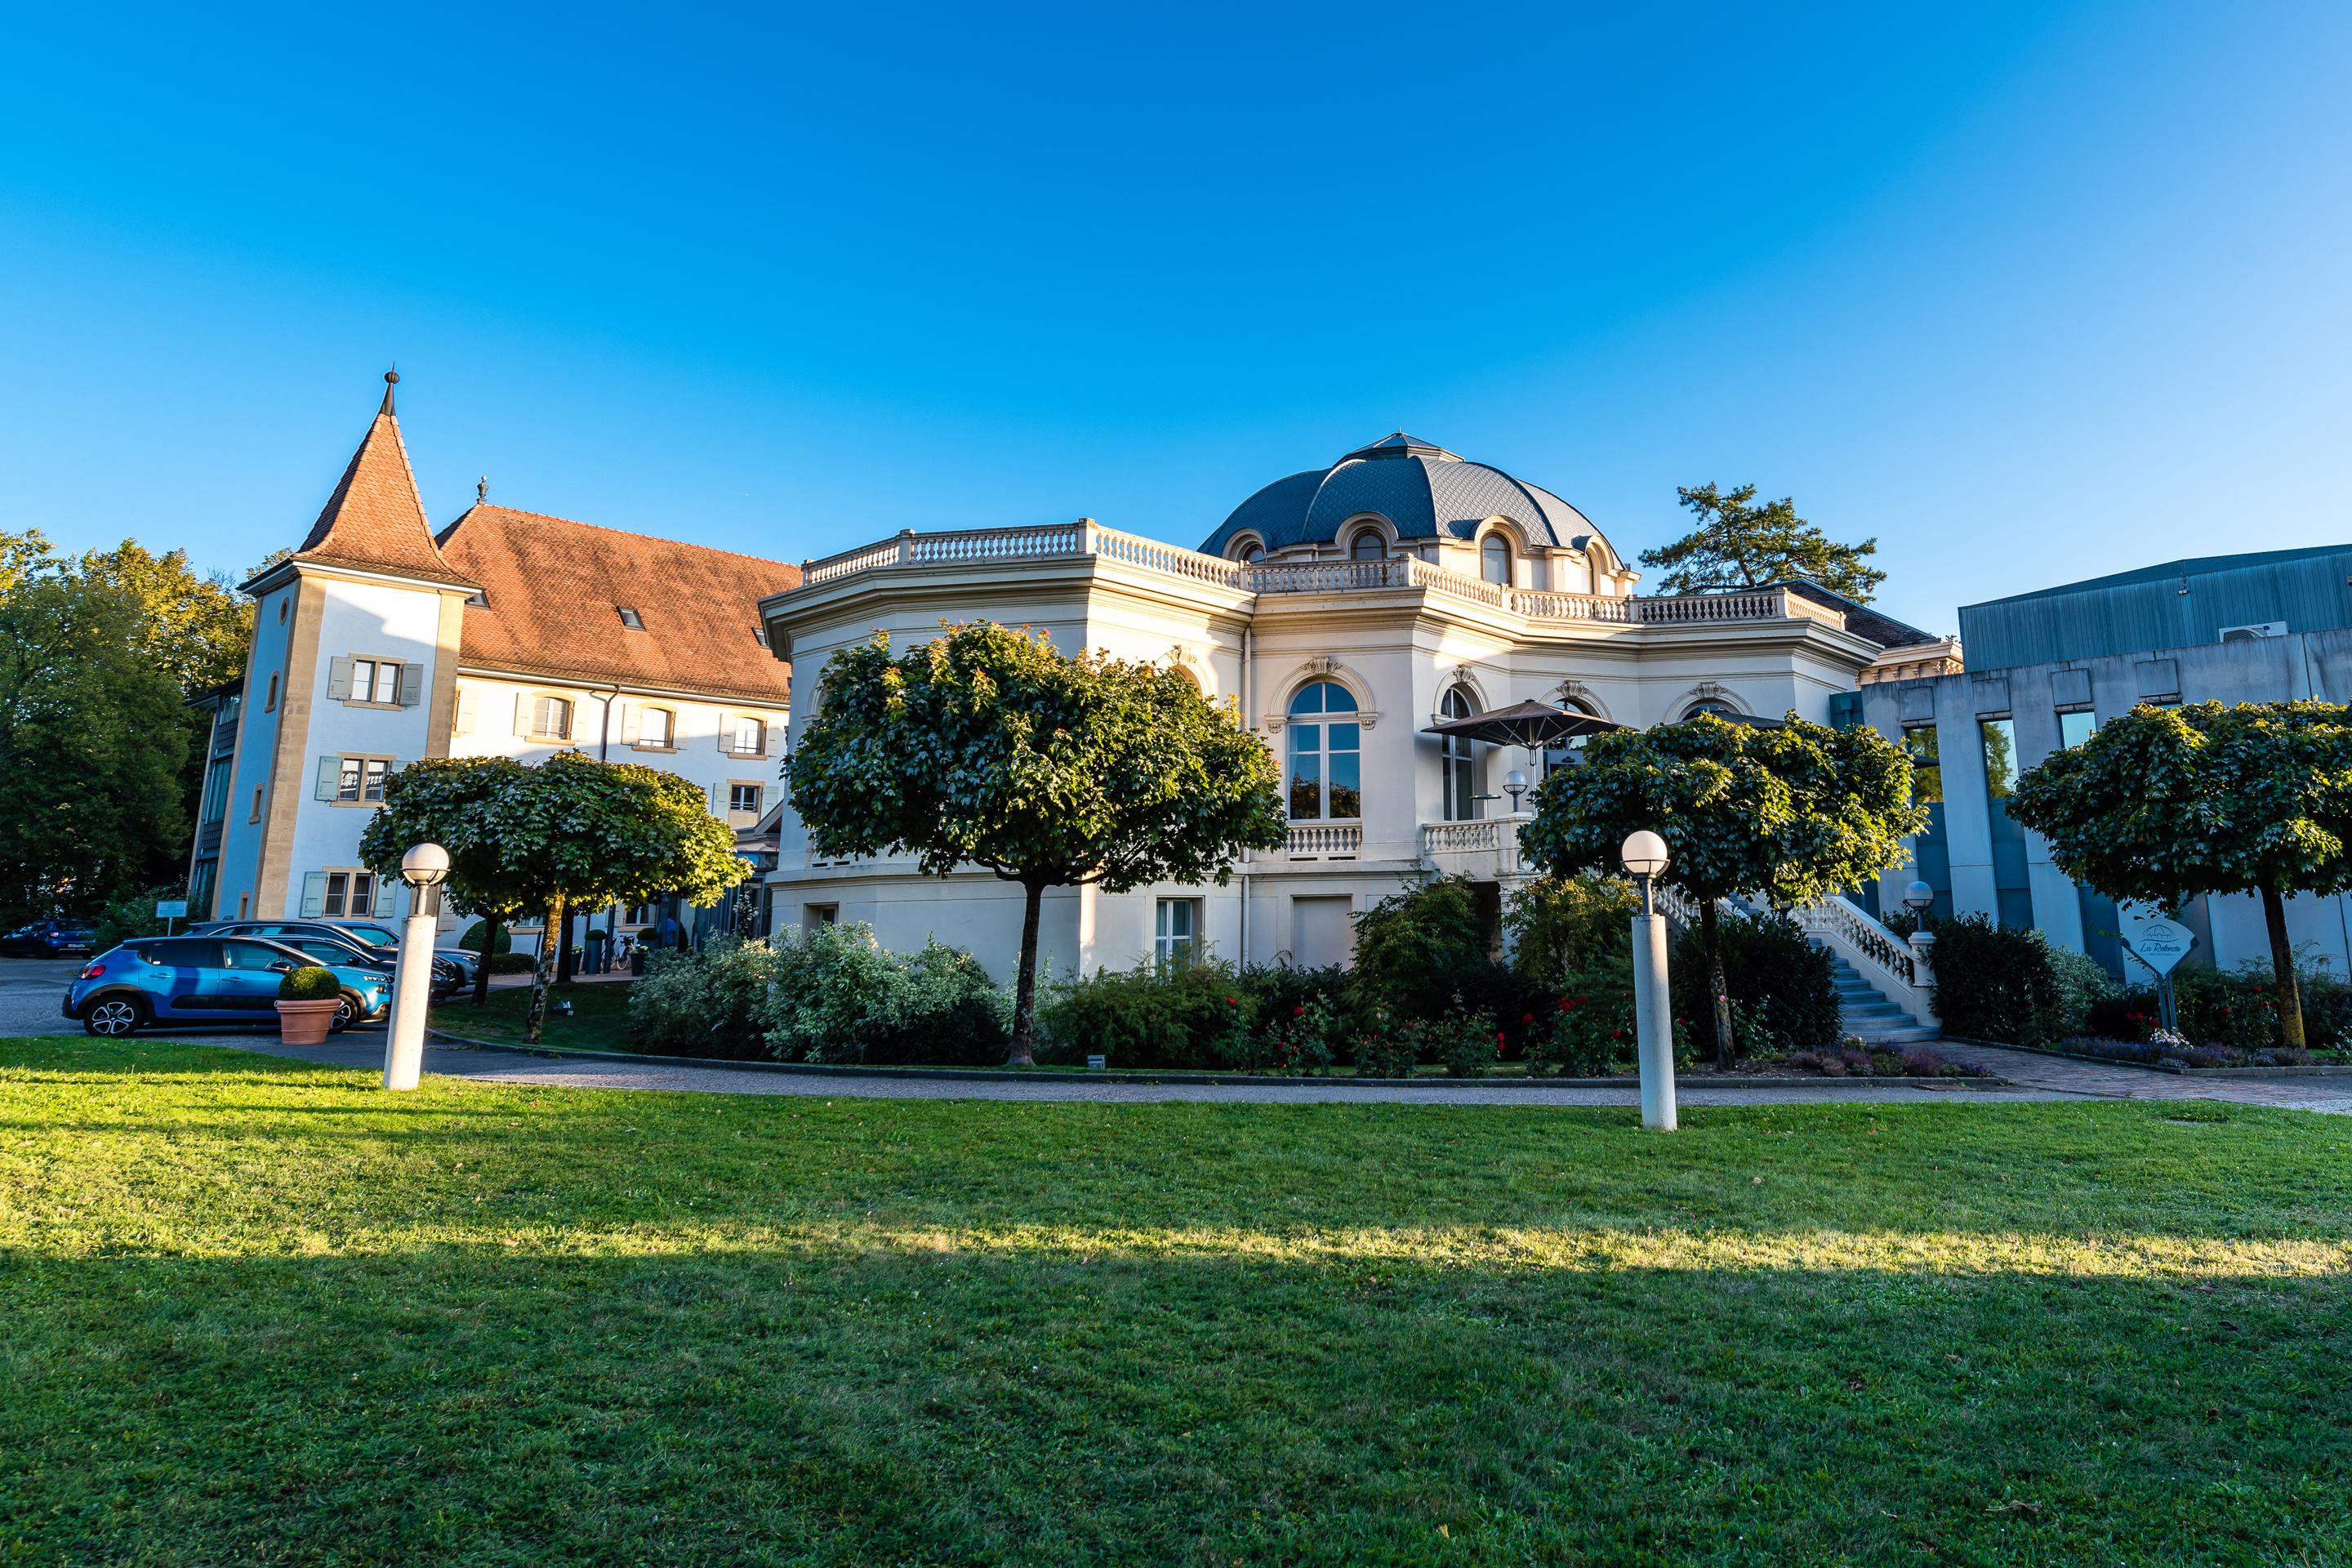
[1424,490]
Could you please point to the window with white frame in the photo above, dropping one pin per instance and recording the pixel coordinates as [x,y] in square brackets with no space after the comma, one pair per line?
[1326,754]
[551,719]
[1458,759]
[1495,560]
[744,797]
[657,728]
[1176,931]
[375,681]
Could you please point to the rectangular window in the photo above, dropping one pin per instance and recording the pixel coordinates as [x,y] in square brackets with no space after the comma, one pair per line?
[348,893]
[1175,931]
[1927,766]
[744,797]
[270,704]
[215,805]
[1999,757]
[751,737]
[655,727]
[257,807]
[2075,728]
[374,680]
[551,719]
[360,780]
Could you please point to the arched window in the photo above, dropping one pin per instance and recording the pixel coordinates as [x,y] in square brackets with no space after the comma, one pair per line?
[1368,545]
[1569,753]
[1495,560]
[1248,548]
[1709,705]
[1458,759]
[1326,754]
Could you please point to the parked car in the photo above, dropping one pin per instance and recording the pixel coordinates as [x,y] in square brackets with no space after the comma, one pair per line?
[383,936]
[48,939]
[209,979]
[358,939]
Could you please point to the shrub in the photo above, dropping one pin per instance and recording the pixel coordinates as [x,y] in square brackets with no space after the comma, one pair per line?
[1421,949]
[838,996]
[1783,989]
[472,941]
[308,983]
[711,1004]
[1174,1016]
[1592,1030]
[1997,984]
[1384,1049]
[130,915]
[1563,926]
[1296,1042]
[1464,1042]
[511,964]
[2082,985]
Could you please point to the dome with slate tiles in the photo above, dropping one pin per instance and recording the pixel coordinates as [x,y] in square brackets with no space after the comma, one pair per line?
[1419,489]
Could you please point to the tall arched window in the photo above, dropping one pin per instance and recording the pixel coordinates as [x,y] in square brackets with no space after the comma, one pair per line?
[1495,560]
[1326,754]
[1248,548]
[1458,759]
[1368,545]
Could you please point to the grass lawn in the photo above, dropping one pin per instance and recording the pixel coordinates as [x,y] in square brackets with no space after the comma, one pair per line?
[599,1021]
[255,1311]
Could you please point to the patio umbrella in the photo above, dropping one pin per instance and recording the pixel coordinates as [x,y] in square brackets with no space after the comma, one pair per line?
[1534,725]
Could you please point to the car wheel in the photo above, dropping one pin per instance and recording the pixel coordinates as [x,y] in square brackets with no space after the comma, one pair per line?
[347,1012]
[111,1018]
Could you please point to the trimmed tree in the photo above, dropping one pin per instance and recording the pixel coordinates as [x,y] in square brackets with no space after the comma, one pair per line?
[2166,803]
[986,747]
[571,832]
[1795,813]
[1738,545]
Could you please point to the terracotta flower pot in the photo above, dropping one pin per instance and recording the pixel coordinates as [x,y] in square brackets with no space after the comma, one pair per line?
[305,1022]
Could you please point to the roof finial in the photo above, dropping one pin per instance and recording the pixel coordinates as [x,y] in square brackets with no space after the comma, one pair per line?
[391,380]
[482,490]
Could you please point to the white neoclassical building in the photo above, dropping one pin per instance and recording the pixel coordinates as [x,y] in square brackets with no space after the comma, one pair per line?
[1341,610]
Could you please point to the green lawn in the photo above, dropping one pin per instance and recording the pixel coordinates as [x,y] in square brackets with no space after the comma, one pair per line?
[599,1022]
[254,1311]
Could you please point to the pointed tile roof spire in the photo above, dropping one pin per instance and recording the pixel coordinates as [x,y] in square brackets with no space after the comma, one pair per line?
[375,518]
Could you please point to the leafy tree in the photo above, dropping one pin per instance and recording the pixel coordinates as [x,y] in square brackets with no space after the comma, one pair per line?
[20,555]
[453,802]
[987,747]
[197,628]
[1738,544]
[1794,814]
[569,832]
[2165,803]
[91,741]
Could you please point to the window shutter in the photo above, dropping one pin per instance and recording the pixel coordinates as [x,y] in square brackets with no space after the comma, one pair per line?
[726,730]
[464,724]
[331,776]
[339,678]
[412,685]
[632,717]
[522,714]
[314,895]
[774,734]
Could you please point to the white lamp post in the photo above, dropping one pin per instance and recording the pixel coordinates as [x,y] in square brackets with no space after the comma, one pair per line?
[422,869]
[1645,855]
[1919,898]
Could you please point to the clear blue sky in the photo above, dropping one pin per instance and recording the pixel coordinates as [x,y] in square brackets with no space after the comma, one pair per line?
[2029,292]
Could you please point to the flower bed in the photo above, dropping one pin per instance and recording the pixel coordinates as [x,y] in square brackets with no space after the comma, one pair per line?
[2172,1053]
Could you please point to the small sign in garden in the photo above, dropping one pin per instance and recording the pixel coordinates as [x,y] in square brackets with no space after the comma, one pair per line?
[2158,944]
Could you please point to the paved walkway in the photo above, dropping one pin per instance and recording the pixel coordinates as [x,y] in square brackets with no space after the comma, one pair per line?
[2034,1076]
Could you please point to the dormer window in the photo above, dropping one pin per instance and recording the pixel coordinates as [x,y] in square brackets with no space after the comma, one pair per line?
[760,636]
[479,599]
[631,619]
[1368,545]
[1495,560]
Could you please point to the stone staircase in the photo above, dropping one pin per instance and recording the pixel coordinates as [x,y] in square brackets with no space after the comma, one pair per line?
[1862,1011]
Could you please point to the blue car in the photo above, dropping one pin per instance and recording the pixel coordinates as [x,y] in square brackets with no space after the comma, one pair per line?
[210,980]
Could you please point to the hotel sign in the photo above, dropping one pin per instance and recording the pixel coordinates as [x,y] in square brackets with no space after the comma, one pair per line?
[2159,943]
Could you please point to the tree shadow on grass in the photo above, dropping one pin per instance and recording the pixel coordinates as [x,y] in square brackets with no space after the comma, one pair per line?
[877,1404]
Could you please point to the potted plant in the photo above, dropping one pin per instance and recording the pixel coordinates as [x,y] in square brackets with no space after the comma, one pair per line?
[306,1000]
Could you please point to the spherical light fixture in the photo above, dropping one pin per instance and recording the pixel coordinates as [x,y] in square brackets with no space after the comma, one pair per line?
[425,866]
[1643,853]
[1919,897]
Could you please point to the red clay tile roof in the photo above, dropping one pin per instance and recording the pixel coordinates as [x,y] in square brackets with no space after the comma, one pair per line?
[555,590]
[375,517]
